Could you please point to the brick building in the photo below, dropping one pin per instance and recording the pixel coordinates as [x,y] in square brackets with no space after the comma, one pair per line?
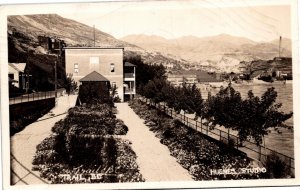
[107,61]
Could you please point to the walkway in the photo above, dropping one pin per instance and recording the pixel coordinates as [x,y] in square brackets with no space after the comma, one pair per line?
[153,158]
[23,144]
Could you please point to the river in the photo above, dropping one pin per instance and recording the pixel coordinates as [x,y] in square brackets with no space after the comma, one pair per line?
[282,141]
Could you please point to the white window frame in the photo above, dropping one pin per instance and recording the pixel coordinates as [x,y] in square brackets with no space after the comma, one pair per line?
[76,68]
[113,84]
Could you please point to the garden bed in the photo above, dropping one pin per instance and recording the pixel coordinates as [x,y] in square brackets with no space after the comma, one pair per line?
[203,158]
[84,149]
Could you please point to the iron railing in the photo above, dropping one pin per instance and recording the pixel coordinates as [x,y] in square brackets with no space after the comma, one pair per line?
[254,151]
[129,75]
[35,96]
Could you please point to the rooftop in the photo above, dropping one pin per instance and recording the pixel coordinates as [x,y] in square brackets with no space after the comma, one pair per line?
[112,47]
[127,64]
[20,67]
[93,76]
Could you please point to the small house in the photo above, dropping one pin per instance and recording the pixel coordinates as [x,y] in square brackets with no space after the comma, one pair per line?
[16,72]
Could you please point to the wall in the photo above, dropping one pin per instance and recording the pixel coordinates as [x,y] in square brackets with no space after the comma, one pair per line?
[16,75]
[23,114]
[106,56]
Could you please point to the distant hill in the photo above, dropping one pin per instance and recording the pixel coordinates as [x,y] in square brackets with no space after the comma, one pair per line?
[23,32]
[219,53]
[223,52]
[73,32]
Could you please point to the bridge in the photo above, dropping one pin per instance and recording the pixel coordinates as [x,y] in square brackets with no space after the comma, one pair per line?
[35,96]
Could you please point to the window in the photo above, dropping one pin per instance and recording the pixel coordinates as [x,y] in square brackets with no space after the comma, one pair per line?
[112,67]
[94,60]
[11,76]
[76,69]
[52,43]
[113,84]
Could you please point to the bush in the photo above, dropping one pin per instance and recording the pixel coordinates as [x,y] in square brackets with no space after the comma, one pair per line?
[82,144]
[276,167]
[193,151]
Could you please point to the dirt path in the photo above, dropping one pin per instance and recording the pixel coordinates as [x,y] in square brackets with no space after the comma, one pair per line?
[23,144]
[153,158]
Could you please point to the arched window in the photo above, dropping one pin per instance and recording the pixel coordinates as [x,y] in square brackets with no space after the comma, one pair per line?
[112,67]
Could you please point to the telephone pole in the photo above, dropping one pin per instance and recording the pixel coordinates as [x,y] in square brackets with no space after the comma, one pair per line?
[55,78]
[94,37]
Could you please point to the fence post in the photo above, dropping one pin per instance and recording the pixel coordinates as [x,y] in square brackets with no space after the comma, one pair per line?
[228,137]
[201,124]
[259,157]
[206,129]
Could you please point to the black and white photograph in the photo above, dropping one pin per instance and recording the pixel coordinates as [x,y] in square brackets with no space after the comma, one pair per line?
[150,94]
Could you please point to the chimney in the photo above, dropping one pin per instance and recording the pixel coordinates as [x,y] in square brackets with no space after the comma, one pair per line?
[279,46]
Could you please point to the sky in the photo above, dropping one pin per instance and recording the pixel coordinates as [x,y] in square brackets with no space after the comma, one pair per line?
[189,18]
[259,20]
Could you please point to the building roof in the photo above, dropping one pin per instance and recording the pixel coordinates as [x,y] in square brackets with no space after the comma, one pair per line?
[209,80]
[20,67]
[107,47]
[181,76]
[93,76]
[127,64]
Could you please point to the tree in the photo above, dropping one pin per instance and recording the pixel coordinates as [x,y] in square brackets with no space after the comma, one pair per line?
[114,94]
[227,107]
[70,84]
[189,98]
[260,114]
[145,72]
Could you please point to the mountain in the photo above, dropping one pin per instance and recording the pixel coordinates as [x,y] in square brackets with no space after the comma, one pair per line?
[223,52]
[72,32]
[220,53]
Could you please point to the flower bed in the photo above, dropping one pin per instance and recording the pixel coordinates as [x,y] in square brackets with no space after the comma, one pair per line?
[203,158]
[83,149]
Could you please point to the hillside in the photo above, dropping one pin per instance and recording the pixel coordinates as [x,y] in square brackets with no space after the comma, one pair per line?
[73,32]
[222,52]
[23,45]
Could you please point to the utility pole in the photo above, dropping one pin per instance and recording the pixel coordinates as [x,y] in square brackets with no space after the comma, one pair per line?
[94,37]
[55,78]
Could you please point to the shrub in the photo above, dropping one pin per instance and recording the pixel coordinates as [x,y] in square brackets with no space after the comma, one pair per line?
[194,152]
[80,144]
[276,167]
